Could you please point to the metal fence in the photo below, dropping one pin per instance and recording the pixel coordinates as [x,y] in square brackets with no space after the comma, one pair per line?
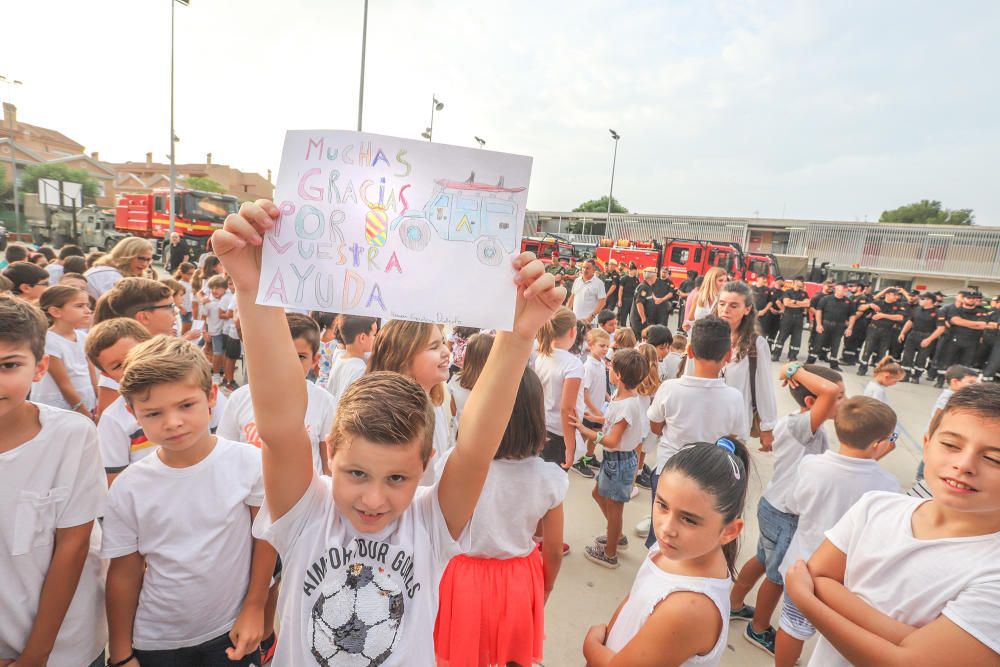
[647,227]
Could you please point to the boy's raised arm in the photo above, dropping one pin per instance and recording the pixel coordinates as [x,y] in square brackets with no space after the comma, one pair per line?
[489,407]
[273,369]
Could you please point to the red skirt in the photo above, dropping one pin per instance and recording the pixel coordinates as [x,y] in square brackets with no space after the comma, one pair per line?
[492,612]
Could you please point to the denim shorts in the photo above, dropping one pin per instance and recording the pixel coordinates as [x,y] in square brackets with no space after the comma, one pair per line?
[794,623]
[617,475]
[186,318]
[776,531]
[218,344]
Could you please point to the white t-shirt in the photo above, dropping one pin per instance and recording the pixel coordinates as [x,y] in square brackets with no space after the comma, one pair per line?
[188,295]
[100,279]
[106,382]
[516,496]
[670,367]
[228,302]
[874,390]
[442,443]
[595,381]
[913,580]
[49,482]
[343,374]
[56,272]
[73,356]
[630,410]
[942,400]
[586,295]
[553,370]
[123,441]
[737,376]
[210,311]
[696,410]
[237,421]
[826,486]
[460,395]
[793,439]
[651,586]
[385,583]
[192,527]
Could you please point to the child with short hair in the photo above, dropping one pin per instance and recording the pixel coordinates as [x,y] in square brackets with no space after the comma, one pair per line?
[187,582]
[329,346]
[561,374]
[608,320]
[5,285]
[677,610]
[956,377]
[699,407]
[74,280]
[70,382]
[673,364]
[660,338]
[123,440]
[620,436]
[914,581]
[52,593]
[418,350]
[493,597]
[817,391]
[185,275]
[28,280]
[358,335]
[214,311]
[370,533]
[827,485]
[595,391]
[887,373]
[149,302]
[624,338]
[477,351]
[238,423]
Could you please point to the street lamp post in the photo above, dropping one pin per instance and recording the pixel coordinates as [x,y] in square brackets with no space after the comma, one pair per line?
[173,136]
[13,158]
[614,159]
[480,141]
[436,105]
[364,40]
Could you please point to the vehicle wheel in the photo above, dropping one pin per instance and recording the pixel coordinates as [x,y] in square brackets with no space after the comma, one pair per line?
[109,243]
[489,251]
[415,233]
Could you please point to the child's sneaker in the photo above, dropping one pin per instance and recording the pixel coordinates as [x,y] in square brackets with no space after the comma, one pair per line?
[744,613]
[644,480]
[593,462]
[633,493]
[762,640]
[602,541]
[597,555]
[642,528]
[581,468]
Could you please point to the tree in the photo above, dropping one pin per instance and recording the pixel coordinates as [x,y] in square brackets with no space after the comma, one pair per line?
[206,184]
[600,206]
[926,212]
[59,172]
[6,190]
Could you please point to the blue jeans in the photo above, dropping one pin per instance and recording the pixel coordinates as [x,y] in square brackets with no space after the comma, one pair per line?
[776,531]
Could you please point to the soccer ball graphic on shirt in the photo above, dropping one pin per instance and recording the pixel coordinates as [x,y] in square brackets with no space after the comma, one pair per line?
[355,620]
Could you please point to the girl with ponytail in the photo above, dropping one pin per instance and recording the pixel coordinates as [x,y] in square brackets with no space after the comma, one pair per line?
[678,608]
[561,373]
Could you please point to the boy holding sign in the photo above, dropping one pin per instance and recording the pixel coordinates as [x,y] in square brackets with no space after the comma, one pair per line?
[369,534]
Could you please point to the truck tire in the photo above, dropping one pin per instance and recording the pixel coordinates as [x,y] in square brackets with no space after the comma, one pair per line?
[489,251]
[110,243]
[415,233]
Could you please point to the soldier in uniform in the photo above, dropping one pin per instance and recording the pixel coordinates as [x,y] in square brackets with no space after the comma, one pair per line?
[761,297]
[664,294]
[556,268]
[626,291]
[968,323]
[924,326]
[834,315]
[889,311]
[795,302]
[814,316]
[642,303]
[612,280]
[683,291]
[991,337]
[854,337]
[771,321]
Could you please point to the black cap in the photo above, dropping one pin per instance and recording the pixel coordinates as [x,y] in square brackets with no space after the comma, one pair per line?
[927,295]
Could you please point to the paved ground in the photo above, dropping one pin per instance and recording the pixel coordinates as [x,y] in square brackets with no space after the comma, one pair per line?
[586,594]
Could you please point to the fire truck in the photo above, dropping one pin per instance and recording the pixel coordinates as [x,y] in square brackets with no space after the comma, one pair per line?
[683,255]
[196,214]
[544,246]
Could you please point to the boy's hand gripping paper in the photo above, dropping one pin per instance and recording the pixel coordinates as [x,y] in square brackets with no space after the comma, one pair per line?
[395,228]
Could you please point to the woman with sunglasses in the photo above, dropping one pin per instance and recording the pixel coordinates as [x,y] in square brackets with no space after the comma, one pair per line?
[130,258]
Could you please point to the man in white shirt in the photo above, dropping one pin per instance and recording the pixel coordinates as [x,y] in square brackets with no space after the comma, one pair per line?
[588,295]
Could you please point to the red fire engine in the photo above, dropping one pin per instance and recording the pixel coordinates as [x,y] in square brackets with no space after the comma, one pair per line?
[683,255]
[543,247]
[196,215]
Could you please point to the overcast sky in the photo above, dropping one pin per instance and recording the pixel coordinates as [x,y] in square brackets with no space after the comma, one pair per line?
[822,110]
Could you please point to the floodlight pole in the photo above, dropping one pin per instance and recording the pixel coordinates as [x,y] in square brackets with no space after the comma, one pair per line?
[13,159]
[364,40]
[614,159]
[173,165]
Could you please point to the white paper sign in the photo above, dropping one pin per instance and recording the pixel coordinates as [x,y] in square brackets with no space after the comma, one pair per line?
[395,228]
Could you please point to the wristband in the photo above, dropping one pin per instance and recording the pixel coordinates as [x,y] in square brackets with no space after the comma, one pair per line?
[79,404]
[124,662]
[600,436]
[792,369]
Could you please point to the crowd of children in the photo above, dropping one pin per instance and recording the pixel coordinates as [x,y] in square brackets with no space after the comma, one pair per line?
[391,493]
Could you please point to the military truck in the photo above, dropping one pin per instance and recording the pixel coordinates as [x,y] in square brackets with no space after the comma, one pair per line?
[86,226]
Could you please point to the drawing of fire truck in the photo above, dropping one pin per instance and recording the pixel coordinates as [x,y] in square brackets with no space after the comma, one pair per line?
[465,211]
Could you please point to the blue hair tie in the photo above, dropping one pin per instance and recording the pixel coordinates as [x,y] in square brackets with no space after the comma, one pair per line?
[726,444]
